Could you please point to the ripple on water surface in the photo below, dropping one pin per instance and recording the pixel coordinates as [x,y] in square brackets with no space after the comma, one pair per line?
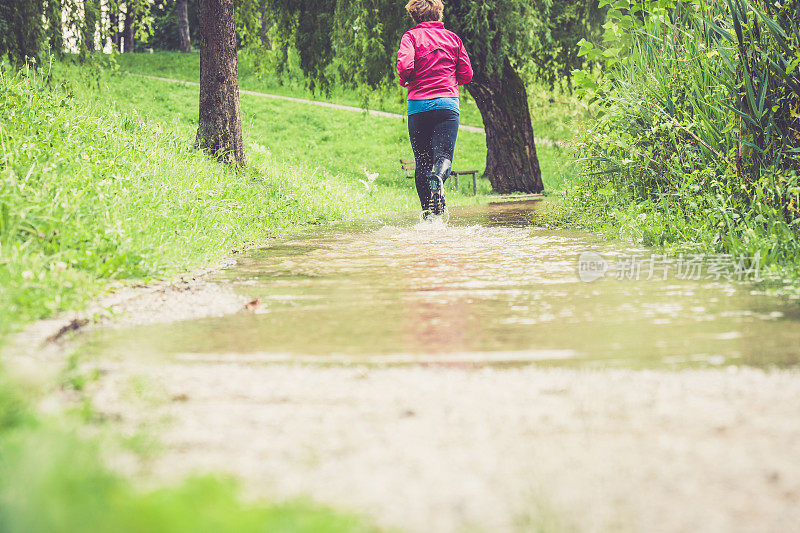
[486,288]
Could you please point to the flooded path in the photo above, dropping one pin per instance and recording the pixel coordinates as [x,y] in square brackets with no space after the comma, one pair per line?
[488,288]
[464,378]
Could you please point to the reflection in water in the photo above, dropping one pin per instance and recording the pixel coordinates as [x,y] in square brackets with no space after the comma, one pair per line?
[487,287]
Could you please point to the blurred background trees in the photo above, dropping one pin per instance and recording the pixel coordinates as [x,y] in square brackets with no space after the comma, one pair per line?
[22,29]
[350,43]
[504,39]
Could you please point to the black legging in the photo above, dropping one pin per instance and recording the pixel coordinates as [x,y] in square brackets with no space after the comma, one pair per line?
[433,136]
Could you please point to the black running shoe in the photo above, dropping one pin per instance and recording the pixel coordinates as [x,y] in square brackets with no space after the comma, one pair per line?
[436,203]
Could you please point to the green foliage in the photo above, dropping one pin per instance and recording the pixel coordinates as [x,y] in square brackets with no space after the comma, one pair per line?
[142,23]
[307,26]
[362,36]
[497,32]
[568,23]
[54,21]
[164,35]
[367,36]
[92,14]
[248,23]
[31,28]
[698,135]
[21,30]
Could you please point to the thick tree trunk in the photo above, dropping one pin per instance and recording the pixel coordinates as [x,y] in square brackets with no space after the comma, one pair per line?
[219,127]
[511,162]
[263,19]
[127,31]
[183,27]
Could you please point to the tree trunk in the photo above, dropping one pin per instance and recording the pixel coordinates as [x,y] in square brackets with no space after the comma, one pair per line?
[219,127]
[55,27]
[90,12]
[263,19]
[127,31]
[183,27]
[113,19]
[511,162]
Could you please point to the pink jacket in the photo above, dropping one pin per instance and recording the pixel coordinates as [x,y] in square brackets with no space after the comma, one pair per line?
[432,62]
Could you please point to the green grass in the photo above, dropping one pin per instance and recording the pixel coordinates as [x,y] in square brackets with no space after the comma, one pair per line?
[342,142]
[554,115]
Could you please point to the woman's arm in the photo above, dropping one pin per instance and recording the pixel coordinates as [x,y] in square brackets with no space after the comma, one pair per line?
[463,67]
[405,60]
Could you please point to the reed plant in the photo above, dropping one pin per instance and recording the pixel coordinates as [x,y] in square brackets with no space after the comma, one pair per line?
[696,139]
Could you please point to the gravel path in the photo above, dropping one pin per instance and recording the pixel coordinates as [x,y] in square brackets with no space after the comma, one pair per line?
[455,447]
[458,448]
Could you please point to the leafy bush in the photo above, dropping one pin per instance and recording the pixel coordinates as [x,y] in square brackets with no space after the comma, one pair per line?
[697,137]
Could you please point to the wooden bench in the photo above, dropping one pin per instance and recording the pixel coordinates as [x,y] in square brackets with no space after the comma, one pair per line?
[410,165]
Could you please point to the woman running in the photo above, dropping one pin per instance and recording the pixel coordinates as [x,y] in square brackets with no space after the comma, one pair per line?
[432,63]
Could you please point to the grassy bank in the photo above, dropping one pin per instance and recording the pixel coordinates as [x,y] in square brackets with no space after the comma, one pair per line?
[95,192]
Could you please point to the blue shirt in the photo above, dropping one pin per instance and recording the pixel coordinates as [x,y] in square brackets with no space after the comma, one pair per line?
[420,106]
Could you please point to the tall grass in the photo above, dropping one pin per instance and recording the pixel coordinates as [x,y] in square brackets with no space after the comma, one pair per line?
[697,139]
[91,193]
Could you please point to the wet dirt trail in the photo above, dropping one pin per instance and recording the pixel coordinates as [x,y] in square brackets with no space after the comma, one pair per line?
[468,377]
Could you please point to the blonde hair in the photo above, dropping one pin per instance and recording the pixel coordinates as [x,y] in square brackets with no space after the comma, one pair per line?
[425,10]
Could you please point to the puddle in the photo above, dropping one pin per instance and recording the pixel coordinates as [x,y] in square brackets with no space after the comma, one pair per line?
[488,288]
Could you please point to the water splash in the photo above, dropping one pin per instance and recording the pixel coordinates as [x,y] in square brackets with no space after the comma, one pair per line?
[486,283]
